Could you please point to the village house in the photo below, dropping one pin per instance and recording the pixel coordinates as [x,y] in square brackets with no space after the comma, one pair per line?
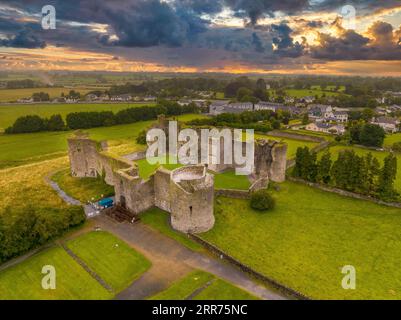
[91,97]
[25,100]
[326,128]
[307,99]
[390,125]
[321,111]
[217,107]
[121,97]
[341,116]
[149,98]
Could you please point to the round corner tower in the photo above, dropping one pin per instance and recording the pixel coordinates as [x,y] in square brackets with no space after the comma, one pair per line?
[192,199]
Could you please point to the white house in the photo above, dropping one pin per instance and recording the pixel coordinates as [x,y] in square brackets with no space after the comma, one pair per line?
[326,128]
[390,125]
[341,116]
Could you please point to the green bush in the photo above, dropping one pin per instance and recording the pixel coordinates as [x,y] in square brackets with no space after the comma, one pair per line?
[262,201]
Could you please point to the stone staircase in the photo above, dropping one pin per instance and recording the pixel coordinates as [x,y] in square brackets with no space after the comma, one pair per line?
[121,214]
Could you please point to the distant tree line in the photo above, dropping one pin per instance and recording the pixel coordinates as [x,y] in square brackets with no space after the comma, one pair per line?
[35,123]
[351,172]
[22,229]
[22,84]
[86,120]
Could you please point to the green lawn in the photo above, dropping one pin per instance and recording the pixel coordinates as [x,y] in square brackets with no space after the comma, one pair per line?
[300,93]
[23,281]
[229,180]
[391,139]
[214,289]
[310,235]
[380,155]
[146,169]
[82,189]
[222,290]
[9,113]
[112,259]
[292,144]
[160,220]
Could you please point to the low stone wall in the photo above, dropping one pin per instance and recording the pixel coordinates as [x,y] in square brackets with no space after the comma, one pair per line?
[273,283]
[345,193]
[231,193]
[296,136]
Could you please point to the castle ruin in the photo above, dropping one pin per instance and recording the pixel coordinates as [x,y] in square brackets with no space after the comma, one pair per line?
[187,193]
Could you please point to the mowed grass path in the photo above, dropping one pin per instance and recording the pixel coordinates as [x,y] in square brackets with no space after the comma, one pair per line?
[24,281]
[112,259]
[310,235]
[10,112]
[380,155]
[210,288]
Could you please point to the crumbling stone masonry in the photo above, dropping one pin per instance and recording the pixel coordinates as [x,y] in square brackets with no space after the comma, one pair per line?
[186,193]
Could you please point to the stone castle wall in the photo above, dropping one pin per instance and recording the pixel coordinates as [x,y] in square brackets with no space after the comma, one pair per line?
[189,200]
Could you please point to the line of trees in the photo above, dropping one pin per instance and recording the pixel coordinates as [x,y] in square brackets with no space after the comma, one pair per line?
[361,174]
[22,229]
[86,120]
[34,123]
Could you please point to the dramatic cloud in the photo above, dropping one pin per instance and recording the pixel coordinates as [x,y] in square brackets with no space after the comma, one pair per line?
[199,33]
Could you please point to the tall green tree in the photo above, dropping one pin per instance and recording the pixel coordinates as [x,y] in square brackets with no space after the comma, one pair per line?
[387,177]
[324,168]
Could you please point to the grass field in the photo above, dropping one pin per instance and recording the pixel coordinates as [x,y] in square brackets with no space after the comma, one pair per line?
[378,154]
[160,220]
[19,149]
[146,169]
[112,259]
[82,189]
[210,288]
[10,95]
[391,139]
[292,144]
[23,281]
[26,184]
[310,235]
[229,180]
[9,113]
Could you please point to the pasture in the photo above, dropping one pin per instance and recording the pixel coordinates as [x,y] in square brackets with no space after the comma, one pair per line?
[10,95]
[306,240]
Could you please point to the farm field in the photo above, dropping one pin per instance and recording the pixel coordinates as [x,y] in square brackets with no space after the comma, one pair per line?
[310,235]
[210,288]
[10,95]
[9,113]
[20,149]
[23,281]
[112,259]
[82,189]
[380,155]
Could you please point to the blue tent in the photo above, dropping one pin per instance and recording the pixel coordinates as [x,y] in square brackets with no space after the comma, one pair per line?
[106,203]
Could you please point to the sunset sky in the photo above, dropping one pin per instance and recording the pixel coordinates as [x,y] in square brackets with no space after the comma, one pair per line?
[238,36]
